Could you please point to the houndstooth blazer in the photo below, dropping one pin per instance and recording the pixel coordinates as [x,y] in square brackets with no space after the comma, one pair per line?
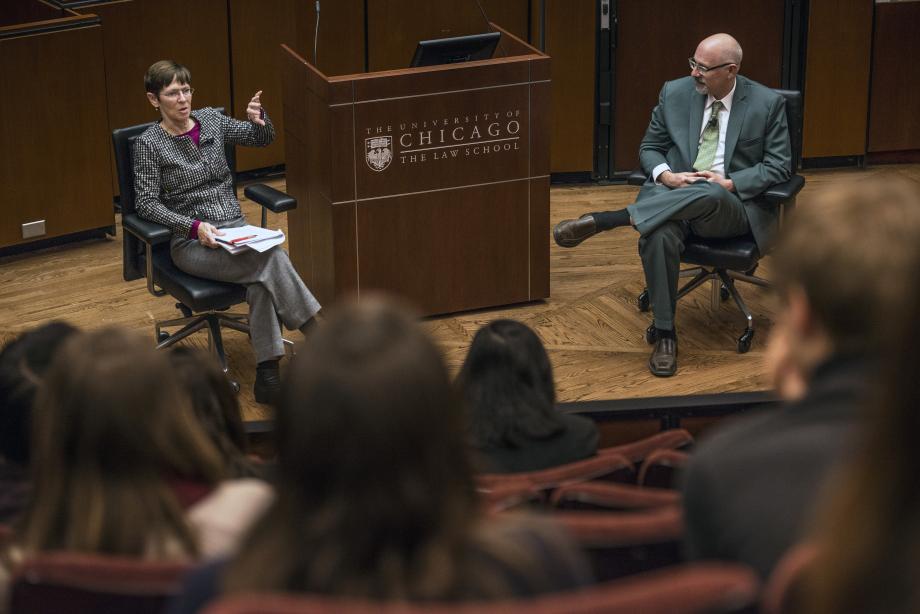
[176,183]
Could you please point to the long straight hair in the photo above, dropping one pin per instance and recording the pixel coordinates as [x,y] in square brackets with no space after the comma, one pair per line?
[507,383]
[111,429]
[375,492]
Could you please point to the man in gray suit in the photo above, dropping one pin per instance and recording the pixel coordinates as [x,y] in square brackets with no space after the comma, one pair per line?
[716,141]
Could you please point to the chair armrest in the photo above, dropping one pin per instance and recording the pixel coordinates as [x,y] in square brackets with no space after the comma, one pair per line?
[637,177]
[270,198]
[148,232]
[781,192]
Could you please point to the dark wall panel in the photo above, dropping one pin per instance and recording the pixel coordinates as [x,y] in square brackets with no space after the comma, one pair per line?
[837,78]
[894,120]
[655,40]
[396,26]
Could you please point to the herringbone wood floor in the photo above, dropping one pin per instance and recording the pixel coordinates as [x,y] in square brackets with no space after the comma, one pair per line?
[590,324]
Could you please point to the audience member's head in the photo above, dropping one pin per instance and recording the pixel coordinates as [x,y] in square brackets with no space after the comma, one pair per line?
[507,383]
[842,266]
[23,363]
[216,407]
[375,490]
[869,532]
[112,429]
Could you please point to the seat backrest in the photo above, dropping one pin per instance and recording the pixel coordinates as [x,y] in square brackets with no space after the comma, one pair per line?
[660,468]
[637,451]
[794,119]
[68,583]
[611,467]
[608,496]
[695,588]
[123,143]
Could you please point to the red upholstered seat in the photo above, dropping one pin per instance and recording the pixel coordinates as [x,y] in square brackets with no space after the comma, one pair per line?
[660,469]
[608,467]
[637,451]
[68,583]
[685,589]
[611,497]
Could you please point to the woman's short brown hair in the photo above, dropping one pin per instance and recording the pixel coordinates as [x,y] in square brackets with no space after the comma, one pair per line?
[160,74]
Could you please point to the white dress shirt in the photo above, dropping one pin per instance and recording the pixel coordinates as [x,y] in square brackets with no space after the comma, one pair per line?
[718,164]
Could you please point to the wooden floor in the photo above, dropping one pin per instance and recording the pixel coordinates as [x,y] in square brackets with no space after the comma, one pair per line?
[590,325]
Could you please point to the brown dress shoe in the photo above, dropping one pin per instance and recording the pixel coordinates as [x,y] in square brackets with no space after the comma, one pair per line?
[663,361]
[569,233]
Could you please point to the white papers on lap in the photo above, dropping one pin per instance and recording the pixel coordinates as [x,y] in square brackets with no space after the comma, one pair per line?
[236,240]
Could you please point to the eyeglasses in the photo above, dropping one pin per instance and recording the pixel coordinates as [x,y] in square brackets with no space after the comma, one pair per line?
[174,94]
[694,65]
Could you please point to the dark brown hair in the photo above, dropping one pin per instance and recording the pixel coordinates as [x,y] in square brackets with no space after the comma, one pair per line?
[507,383]
[869,529]
[849,249]
[111,428]
[215,405]
[161,74]
[375,490]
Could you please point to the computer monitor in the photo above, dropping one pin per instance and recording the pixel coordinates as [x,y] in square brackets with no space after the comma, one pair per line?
[457,49]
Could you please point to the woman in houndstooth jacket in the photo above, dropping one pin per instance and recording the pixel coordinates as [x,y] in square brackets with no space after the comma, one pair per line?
[182,181]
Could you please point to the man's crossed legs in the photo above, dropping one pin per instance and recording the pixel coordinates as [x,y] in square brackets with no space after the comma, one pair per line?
[664,218]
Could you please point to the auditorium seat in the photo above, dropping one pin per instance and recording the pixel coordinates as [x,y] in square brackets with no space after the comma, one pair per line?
[610,467]
[660,469]
[698,588]
[780,592]
[512,496]
[637,451]
[625,543]
[611,497]
[71,583]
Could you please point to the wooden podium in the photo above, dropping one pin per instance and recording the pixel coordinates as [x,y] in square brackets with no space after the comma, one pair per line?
[430,183]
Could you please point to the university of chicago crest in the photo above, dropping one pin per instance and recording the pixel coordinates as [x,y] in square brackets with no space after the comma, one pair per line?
[378,152]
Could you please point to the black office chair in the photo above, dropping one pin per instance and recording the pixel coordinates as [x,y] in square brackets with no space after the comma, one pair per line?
[203,302]
[736,258]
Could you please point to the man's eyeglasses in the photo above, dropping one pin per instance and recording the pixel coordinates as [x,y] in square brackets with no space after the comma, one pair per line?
[694,65]
[174,94]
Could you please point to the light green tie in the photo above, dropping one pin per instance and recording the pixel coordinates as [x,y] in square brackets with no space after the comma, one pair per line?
[707,153]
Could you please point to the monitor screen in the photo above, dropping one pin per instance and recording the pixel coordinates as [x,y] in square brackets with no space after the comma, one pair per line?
[456,49]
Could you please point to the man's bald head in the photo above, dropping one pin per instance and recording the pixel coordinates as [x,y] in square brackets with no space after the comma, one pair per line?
[722,47]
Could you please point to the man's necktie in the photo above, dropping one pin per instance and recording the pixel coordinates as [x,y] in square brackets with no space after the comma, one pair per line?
[707,153]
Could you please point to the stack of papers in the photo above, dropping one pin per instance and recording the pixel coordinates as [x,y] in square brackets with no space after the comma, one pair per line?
[236,240]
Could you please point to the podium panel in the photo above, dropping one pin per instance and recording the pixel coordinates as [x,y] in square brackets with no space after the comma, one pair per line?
[431,183]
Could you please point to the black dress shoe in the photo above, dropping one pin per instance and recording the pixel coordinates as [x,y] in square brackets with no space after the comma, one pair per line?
[267,388]
[569,233]
[663,361]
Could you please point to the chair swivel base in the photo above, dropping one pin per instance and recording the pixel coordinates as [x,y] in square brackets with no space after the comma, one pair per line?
[721,292]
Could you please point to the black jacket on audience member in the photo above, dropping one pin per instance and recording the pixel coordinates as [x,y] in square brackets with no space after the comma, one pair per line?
[576,442]
[749,490]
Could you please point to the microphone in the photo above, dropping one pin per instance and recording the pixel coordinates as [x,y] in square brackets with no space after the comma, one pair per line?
[316,33]
[489,25]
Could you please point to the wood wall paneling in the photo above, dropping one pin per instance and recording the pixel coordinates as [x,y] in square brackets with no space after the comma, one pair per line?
[396,26]
[137,33]
[56,148]
[340,50]
[257,30]
[655,38]
[15,12]
[570,42]
[836,91]
[894,121]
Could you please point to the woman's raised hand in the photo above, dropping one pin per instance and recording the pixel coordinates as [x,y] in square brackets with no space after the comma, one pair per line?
[254,110]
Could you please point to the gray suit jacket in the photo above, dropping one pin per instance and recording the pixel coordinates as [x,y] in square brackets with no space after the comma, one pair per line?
[758,153]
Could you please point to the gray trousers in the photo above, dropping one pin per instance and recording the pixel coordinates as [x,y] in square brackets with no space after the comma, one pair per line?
[664,218]
[274,290]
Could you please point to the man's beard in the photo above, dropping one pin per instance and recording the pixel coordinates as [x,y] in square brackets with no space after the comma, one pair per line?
[700,87]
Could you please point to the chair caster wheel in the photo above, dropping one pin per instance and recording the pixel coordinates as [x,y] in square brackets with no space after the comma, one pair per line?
[235,385]
[651,334]
[724,294]
[162,336]
[744,341]
[643,301]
